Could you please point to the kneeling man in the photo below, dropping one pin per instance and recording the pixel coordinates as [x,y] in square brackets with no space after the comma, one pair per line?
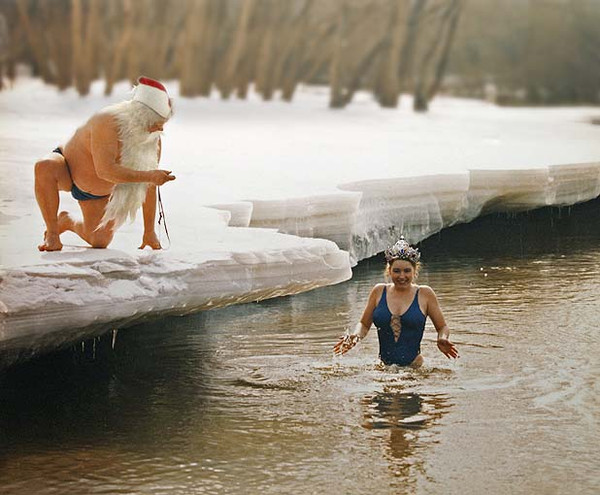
[110,166]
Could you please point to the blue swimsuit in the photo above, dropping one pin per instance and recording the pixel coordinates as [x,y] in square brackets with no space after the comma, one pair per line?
[401,349]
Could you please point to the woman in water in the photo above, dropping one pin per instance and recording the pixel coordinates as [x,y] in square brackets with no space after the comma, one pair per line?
[399,311]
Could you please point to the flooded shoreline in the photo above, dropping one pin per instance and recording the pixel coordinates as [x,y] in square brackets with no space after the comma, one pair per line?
[249,398]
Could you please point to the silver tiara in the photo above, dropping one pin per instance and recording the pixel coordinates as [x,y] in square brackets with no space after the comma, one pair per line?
[402,251]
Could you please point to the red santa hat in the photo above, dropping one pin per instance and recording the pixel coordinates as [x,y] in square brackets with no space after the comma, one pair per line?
[154,95]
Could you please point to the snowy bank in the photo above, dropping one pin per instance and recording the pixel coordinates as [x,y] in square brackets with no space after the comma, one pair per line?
[79,293]
[358,177]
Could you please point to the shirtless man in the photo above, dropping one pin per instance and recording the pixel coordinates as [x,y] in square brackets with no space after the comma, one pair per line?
[110,166]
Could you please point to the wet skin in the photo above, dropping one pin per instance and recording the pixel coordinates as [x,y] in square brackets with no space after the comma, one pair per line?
[399,298]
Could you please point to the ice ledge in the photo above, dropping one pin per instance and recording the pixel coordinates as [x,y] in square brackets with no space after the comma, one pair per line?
[80,293]
[364,217]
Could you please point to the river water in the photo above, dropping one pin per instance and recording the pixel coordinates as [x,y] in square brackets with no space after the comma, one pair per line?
[250,399]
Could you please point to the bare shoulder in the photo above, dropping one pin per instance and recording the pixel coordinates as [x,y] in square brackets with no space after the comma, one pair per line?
[378,289]
[104,125]
[426,291]
[103,118]
[376,292]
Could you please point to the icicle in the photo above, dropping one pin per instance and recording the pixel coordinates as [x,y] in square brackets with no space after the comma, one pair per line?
[114,338]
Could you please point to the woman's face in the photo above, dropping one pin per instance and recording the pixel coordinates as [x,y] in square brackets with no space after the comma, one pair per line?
[402,273]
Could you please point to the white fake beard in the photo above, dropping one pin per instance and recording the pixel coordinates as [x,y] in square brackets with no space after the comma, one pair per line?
[139,151]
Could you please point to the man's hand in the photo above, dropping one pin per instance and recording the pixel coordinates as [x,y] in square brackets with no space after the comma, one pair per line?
[150,239]
[159,177]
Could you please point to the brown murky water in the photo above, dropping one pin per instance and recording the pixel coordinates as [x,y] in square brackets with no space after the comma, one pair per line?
[249,399]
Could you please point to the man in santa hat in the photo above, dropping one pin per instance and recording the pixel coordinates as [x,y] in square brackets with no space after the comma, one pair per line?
[110,166]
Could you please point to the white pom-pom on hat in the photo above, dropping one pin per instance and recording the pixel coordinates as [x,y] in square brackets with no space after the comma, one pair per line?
[154,95]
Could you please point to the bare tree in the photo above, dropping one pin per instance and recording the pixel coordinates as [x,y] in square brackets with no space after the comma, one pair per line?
[336,70]
[407,54]
[387,87]
[434,62]
[32,33]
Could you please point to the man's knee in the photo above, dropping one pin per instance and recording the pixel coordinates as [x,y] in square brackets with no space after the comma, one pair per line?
[50,170]
[44,168]
[101,239]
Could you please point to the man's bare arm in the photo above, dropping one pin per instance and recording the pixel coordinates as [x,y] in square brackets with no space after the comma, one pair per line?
[149,211]
[105,150]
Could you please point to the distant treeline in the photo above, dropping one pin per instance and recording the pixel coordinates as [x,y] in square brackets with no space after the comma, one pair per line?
[528,52]
[385,46]
[513,51]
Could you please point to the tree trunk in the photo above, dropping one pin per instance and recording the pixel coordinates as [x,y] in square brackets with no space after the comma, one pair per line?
[336,71]
[76,15]
[236,49]
[452,21]
[361,71]
[267,57]
[421,102]
[318,53]
[35,43]
[295,56]
[386,84]
[194,27]
[409,45]
[116,71]
[87,63]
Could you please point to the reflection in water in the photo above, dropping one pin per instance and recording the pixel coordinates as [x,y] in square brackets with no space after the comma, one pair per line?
[70,399]
[405,414]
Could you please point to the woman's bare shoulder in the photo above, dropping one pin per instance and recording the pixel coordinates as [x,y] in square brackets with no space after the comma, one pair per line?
[377,290]
[426,291]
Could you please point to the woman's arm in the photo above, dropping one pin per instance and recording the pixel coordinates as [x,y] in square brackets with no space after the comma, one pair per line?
[362,328]
[437,317]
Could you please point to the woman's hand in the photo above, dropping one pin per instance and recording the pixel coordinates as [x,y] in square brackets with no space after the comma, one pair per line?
[345,343]
[447,348]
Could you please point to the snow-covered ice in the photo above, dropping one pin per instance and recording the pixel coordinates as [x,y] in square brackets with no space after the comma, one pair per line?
[246,169]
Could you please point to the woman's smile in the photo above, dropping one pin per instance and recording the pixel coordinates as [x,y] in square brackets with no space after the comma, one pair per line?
[402,273]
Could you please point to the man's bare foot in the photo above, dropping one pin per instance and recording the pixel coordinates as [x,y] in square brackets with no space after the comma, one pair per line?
[51,243]
[65,222]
